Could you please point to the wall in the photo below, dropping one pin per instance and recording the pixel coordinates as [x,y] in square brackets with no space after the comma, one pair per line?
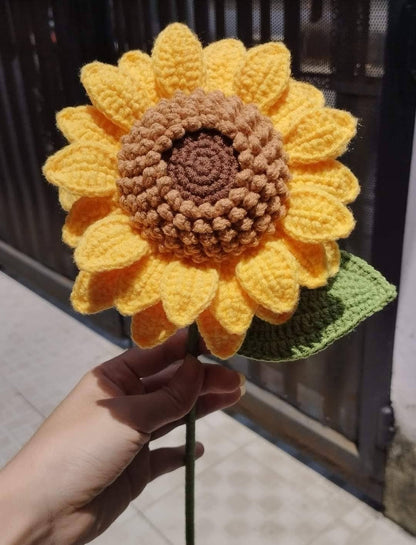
[400,492]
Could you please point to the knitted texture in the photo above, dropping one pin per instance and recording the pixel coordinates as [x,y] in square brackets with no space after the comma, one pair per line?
[204,176]
[323,315]
[203,185]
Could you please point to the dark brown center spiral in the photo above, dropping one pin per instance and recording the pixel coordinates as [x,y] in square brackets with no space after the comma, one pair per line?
[203,167]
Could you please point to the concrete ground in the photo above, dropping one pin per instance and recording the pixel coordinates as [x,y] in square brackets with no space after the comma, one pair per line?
[248,491]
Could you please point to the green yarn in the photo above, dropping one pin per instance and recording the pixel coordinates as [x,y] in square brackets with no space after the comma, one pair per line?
[323,315]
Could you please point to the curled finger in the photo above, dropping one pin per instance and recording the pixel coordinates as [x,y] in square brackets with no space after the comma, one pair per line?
[167,459]
[206,404]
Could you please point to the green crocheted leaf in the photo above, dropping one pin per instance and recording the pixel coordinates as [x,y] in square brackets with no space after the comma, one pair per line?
[323,315]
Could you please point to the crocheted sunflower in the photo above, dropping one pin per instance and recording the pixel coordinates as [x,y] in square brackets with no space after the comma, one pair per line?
[202,185]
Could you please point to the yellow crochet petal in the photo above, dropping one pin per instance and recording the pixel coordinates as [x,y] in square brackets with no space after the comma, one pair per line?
[269,316]
[66,198]
[186,291]
[93,292]
[84,212]
[330,175]
[177,60]
[114,93]
[84,168]
[270,277]
[86,123]
[231,306]
[139,285]
[333,257]
[311,260]
[315,216]
[110,243]
[298,99]
[264,75]
[138,65]
[222,60]
[321,134]
[151,327]
[219,341]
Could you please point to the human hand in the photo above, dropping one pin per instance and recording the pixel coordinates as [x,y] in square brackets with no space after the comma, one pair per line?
[91,457]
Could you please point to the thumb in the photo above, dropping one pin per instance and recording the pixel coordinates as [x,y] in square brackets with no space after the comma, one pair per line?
[148,412]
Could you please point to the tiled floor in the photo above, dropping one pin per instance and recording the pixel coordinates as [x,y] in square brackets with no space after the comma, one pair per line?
[248,491]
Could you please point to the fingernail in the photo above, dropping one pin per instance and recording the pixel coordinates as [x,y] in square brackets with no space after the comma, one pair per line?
[242,384]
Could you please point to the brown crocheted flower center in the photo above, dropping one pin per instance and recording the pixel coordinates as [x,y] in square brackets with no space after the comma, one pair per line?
[202,166]
[203,176]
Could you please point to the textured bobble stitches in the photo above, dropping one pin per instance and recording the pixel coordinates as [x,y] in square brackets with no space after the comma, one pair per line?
[203,176]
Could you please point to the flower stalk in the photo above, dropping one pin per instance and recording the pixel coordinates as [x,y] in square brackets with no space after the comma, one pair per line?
[193,342]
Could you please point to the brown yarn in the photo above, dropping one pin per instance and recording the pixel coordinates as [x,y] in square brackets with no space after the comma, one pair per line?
[203,175]
[202,167]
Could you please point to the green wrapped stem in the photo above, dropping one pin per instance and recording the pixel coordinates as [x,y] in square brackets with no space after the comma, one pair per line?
[193,343]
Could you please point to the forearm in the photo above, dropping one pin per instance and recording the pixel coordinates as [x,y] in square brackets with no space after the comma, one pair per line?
[20,519]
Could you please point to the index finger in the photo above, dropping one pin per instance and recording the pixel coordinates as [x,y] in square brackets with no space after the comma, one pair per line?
[144,363]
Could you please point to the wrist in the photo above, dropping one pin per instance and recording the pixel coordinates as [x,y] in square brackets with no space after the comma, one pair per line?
[20,514]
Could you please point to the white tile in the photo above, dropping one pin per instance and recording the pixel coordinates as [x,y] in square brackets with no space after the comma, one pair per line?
[361,516]
[267,453]
[43,350]
[237,501]
[383,532]
[136,530]
[337,534]
[18,421]
[231,428]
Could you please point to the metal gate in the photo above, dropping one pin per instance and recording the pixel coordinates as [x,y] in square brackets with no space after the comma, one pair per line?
[336,404]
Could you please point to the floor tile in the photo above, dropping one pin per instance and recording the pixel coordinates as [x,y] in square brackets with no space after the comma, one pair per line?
[282,463]
[231,428]
[136,530]
[44,351]
[18,421]
[238,501]
[382,532]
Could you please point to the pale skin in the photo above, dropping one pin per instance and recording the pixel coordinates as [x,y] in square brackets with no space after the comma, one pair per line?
[93,455]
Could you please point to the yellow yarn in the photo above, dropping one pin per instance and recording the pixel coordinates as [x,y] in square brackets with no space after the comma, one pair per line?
[222,60]
[264,75]
[231,306]
[162,293]
[177,61]
[85,168]
[218,340]
[108,244]
[66,198]
[333,257]
[115,93]
[86,123]
[270,277]
[298,99]
[312,262]
[316,216]
[139,286]
[138,66]
[320,134]
[186,291]
[331,176]
[83,213]
[151,327]
[93,292]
